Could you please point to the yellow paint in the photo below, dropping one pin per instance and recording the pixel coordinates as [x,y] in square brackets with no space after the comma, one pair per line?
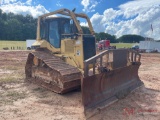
[71,50]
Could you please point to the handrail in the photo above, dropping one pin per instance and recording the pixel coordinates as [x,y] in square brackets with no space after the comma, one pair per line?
[131,57]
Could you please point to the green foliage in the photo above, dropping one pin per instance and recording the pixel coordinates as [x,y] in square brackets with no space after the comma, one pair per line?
[101,35]
[17,27]
[104,36]
[85,30]
[130,38]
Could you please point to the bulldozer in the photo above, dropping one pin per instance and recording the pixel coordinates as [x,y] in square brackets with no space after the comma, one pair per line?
[65,58]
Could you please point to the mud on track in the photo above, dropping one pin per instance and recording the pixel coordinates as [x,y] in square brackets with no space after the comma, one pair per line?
[23,101]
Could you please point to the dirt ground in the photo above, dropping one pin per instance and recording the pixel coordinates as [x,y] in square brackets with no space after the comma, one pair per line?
[20,100]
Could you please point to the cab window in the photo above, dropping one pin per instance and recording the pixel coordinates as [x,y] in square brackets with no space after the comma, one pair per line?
[54,37]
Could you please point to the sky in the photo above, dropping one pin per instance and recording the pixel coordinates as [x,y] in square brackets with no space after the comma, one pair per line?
[116,17]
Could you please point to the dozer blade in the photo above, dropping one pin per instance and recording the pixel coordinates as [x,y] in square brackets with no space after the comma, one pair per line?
[110,85]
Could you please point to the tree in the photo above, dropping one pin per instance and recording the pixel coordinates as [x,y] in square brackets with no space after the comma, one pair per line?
[17,27]
[130,38]
[85,30]
[104,36]
[13,29]
[0,13]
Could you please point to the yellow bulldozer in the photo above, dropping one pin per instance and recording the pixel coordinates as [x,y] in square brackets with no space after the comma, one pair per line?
[65,59]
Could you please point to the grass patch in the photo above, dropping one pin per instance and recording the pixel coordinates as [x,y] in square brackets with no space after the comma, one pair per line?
[22,44]
[15,44]
[123,45]
[11,78]
[7,79]
[14,67]
[40,89]
[9,97]
[13,95]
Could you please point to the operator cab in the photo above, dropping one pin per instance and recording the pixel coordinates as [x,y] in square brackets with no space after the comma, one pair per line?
[54,29]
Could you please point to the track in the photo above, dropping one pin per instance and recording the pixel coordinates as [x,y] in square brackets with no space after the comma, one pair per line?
[51,72]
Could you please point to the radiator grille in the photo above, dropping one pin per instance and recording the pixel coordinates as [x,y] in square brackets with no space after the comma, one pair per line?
[89,46]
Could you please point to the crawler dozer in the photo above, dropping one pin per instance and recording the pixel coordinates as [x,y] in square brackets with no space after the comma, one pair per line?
[65,59]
